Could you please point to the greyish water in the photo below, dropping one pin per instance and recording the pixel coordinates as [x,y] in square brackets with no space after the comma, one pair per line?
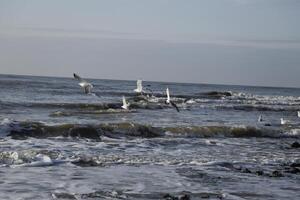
[59,143]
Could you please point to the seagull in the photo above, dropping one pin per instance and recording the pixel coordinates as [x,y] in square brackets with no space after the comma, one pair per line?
[283,121]
[139,86]
[168,101]
[87,87]
[125,104]
[298,113]
[260,118]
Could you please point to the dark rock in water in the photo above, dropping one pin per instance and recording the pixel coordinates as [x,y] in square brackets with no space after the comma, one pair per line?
[180,197]
[63,196]
[246,170]
[84,132]
[276,174]
[86,162]
[184,197]
[259,173]
[104,195]
[268,125]
[295,165]
[295,145]
[169,197]
[218,94]
[294,170]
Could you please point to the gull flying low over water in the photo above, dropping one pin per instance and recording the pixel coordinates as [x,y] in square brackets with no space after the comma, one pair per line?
[125,104]
[260,118]
[168,101]
[87,87]
[139,86]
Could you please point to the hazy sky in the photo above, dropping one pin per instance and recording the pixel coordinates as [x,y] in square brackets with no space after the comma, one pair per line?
[253,42]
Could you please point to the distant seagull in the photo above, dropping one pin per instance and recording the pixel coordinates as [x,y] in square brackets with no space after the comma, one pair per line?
[87,87]
[298,113]
[168,101]
[125,104]
[260,118]
[139,86]
[284,122]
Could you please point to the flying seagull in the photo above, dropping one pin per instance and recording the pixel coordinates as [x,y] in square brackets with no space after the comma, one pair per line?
[125,104]
[260,118]
[168,101]
[298,113]
[87,87]
[139,86]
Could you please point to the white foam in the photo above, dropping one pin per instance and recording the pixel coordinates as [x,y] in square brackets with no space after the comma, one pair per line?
[266,99]
[40,160]
[9,158]
[293,132]
[6,121]
[190,101]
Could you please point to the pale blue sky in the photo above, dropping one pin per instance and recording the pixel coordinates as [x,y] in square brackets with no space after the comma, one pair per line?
[254,42]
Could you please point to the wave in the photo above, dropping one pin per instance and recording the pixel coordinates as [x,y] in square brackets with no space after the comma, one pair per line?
[137,102]
[225,131]
[274,108]
[266,99]
[212,99]
[24,130]
[30,158]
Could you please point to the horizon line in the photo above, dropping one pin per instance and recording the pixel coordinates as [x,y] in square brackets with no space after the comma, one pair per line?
[156,81]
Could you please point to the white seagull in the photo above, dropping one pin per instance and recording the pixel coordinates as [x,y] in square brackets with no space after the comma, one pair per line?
[87,87]
[139,86]
[284,122]
[260,118]
[298,113]
[125,104]
[168,101]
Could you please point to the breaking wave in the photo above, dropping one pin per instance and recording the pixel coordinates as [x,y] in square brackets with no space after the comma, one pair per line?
[24,130]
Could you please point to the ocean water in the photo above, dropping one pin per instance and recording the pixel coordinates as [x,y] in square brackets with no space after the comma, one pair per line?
[58,143]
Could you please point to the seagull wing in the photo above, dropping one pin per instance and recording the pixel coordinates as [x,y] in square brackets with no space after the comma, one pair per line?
[139,85]
[124,101]
[175,106]
[87,88]
[168,94]
[187,99]
[79,78]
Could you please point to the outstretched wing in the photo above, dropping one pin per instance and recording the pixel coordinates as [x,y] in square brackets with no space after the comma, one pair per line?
[124,101]
[139,85]
[87,88]
[78,78]
[175,106]
[168,94]
[187,99]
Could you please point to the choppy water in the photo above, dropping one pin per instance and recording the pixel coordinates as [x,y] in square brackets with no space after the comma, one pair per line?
[58,143]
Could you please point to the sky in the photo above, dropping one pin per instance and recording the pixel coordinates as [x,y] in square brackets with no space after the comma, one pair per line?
[241,42]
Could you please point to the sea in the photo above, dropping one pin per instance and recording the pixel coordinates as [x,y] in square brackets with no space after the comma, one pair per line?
[56,142]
